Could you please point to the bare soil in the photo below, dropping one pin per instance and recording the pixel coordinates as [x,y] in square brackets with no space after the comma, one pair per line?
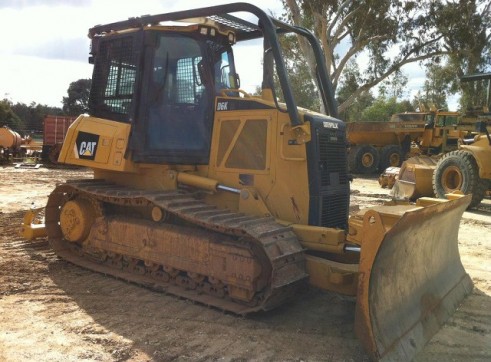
[51,310]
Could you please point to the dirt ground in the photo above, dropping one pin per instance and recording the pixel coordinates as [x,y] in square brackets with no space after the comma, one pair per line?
[51,310]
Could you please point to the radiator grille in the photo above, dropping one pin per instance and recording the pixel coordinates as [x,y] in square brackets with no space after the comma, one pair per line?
[329,184]
[332,164]
[333,211]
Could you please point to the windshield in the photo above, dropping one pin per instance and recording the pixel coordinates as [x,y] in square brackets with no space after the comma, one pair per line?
[186,73]
[225,77]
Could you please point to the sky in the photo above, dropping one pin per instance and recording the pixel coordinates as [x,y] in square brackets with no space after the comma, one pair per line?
[45,45]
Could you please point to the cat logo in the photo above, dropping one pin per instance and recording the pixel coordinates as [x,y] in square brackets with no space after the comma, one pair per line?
[87,148]
[86,145]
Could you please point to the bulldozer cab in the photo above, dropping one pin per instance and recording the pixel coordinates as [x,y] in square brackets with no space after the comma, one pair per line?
[164,79]
[168,93]
[485,103]
[440,132]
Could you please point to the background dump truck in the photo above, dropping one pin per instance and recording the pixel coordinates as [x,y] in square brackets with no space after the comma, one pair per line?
[54,132]
[237,201]
[378,145]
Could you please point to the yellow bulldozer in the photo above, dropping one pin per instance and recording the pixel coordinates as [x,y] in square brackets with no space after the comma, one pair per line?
[237,201]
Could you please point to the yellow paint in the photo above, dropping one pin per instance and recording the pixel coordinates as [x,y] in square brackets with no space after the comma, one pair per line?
[481,150]
[33,228]
[330,275]
[113,140]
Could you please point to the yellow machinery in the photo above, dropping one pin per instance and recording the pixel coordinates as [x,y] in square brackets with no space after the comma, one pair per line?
[466,170]
[442,132]
[236,201]
[380,145]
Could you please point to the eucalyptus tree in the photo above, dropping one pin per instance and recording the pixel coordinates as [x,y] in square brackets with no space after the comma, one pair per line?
[77,101]
[387,33]
[466,30]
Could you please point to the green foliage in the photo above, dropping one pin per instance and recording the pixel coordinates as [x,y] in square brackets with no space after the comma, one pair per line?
[28,118]
[440,83]
[8,116]
[394,86]
[475,95]
[466,29]
[303,86]
[32,115]
[77,101]
[365,107]
[376,29]
[304,90]
[383,108]
[391,34]
[354,112]
[349,81]
[348,85]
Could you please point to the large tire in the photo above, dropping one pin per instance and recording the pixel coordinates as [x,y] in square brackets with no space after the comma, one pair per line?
[458,170]
[363,159]
[391,156]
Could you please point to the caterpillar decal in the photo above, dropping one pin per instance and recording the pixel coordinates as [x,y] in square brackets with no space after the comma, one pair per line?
[86,145]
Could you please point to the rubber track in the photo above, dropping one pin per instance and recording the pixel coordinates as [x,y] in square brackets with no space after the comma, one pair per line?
[278,242]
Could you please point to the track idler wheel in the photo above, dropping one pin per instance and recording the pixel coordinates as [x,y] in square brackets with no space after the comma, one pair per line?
[76,219]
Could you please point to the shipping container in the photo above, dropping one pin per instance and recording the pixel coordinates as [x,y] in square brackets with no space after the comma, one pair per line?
[55,129]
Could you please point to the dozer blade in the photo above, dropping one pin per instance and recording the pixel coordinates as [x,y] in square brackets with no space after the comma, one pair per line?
[411,278]
[415,178]
[33,225]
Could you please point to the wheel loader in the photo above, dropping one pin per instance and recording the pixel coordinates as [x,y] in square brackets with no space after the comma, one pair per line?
[466,169]
[238,201]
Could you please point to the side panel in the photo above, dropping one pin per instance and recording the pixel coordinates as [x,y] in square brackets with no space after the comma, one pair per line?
[241,154]
[289,196]
[97,143]
[251,149]
[302,181]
